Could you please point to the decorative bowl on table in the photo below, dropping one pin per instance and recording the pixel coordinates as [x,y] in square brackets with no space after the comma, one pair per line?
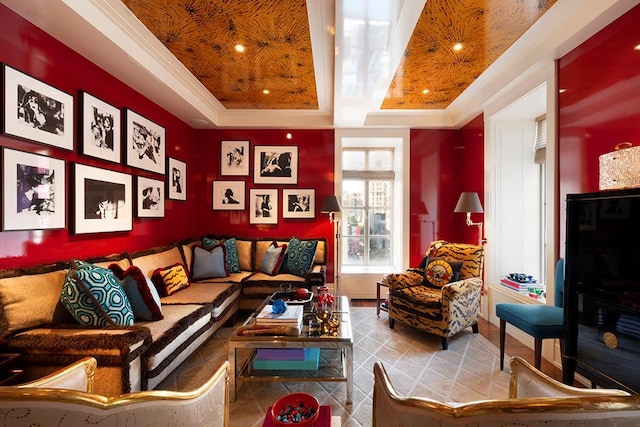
[299,409]
[291,297]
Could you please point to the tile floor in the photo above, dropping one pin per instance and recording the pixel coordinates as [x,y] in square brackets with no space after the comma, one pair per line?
[468,370]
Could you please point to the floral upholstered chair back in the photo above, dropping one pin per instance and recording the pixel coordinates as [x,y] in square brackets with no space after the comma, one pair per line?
[472,256]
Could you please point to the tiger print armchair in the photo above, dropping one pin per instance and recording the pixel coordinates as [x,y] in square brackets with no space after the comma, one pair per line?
[442,295]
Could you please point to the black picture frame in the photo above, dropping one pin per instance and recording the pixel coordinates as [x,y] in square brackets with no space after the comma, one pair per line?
[146,143]
[37,111]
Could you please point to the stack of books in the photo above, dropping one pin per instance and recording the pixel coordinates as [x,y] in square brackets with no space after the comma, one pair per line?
[292,317]
[520,287]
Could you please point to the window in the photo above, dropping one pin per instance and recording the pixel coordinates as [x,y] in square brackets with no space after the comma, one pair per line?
[540,148]
[367,194]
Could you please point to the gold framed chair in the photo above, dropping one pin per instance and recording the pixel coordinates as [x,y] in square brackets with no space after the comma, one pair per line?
[442,295]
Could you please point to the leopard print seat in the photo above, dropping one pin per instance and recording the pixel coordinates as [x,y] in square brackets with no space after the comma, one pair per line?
[446,310]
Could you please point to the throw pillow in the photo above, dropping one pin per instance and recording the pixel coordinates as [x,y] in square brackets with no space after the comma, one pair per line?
[141,292]
[171,279]
[438,272]
[272,259]
[231,257]
[299,256]
[208,264]
[94,296]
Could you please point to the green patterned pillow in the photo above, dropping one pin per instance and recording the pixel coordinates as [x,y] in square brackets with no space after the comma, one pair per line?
[94,297]
[299,256]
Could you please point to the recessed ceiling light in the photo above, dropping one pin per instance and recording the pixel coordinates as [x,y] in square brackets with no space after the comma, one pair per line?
[265,91]
[457,47]
[425,91]
[636,47]
[239,48]
[289,135]
[562,91]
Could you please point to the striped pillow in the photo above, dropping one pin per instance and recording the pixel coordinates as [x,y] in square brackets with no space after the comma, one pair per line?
[171,279]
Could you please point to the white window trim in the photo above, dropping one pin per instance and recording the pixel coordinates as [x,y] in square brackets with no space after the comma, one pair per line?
[401,212]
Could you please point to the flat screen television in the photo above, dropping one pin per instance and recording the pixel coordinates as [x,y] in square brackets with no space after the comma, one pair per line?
[602,289]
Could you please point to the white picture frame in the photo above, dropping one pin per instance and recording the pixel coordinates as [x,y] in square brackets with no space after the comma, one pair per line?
[229,195]
[149,198]
[37,111]
[176,179]
[263,206]
[101,129]
[103,200]
[299,203]
[146,143]
[34,191]
[234,158]
[275,164]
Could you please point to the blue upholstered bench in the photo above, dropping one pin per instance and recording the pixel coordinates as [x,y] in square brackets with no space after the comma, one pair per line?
[539,321]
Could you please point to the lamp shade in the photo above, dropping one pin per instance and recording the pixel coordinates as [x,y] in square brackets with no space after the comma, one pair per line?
[469,202]
[330,204]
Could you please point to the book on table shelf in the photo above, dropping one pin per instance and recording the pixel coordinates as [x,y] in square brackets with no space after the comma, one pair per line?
[521,287]
[292,316]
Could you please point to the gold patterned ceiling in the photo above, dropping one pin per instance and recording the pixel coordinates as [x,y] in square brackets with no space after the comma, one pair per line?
[276,70]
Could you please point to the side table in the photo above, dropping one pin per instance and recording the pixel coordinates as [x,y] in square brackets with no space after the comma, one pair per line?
[379,307]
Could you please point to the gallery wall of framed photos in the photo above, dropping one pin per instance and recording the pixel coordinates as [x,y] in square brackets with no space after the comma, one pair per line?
[98,102]
[64,116]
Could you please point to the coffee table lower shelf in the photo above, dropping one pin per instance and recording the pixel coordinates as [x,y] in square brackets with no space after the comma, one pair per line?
[333,366]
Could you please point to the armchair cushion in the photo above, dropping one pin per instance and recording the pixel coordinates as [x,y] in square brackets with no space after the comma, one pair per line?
[422,300]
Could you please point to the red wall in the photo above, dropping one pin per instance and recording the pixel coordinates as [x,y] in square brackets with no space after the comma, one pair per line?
[599,104]
[444,163]
[32,51]
[315,170]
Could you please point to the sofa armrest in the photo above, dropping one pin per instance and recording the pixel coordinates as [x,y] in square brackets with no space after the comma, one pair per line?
[527,382]
[409,278]
[77,376]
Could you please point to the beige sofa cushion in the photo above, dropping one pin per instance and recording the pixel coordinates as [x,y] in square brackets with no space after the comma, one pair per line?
[28,297]
[157,258]
[245,248]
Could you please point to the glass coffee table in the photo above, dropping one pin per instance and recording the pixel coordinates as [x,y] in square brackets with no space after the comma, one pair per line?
[336,353]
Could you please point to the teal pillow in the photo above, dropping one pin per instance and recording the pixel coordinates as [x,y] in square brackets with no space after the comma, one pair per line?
[94,297]
[142,294]
[272,259]
[208,264]
[299,256]
[231,258]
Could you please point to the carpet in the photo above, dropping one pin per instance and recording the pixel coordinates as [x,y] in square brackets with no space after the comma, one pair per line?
[469,370]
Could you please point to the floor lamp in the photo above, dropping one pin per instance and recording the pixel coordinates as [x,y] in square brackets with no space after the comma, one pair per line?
[470,203]
[331,205]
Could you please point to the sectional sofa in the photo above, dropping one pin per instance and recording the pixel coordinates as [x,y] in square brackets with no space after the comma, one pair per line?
[36,323]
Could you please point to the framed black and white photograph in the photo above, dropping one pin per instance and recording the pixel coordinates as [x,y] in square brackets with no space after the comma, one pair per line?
[150,198]
[263,206]
[300,203]
[145,141]
[275,165]
[228,195]
[176,179]
[101,128]
[34,191]
[37,111]
[103,200]
[234,158]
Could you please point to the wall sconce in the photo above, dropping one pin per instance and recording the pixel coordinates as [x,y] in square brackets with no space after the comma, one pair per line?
[469,202]
[331,205]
